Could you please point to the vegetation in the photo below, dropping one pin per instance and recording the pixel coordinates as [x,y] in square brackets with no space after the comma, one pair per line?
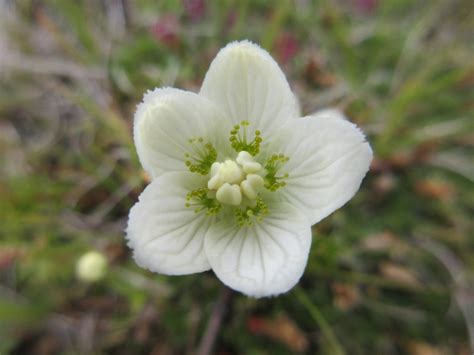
[389,273]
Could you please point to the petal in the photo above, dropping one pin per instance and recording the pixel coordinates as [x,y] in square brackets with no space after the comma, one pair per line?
[267,258]
[248,84]
[333,113]
[166,237]
[167,119]
[328,158]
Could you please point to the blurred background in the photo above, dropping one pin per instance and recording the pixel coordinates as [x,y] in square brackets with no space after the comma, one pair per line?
[389,273]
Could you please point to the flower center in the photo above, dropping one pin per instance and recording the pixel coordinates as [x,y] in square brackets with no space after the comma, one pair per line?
[234,180]
[234,183]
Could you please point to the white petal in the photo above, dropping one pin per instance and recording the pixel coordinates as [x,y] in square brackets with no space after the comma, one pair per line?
[267,258]
[328,158]
[248,84]
[167,119]
[166,237]
[329,113]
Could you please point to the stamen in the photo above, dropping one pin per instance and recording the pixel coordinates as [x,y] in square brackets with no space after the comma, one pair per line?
[202,157]
[247,216]
[239,142]
[272,165]
[200,200]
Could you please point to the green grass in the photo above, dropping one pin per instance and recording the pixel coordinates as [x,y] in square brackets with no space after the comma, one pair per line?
[386,272]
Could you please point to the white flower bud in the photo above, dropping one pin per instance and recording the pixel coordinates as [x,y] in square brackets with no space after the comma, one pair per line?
[91,266]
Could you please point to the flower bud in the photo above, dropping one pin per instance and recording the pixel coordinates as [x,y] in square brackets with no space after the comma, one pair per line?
[91,266]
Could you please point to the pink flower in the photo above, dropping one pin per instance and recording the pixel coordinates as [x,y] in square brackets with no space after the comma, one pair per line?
[195,9]
[365,6]
[286,47]
[166,30]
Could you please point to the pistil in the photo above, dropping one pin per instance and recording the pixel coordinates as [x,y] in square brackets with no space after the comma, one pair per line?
[233,180]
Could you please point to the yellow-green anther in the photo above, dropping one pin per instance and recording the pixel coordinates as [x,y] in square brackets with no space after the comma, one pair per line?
[272,181]
[240,141]
[202,156]
[247,215]
[203,199]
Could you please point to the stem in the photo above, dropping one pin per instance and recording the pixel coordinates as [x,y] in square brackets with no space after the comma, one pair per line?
[320,320]
[214,323]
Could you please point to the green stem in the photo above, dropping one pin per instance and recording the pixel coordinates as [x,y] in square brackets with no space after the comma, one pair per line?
[320,320]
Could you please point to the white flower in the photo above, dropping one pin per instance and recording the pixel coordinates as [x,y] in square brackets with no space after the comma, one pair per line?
[91,266]
[238,177]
